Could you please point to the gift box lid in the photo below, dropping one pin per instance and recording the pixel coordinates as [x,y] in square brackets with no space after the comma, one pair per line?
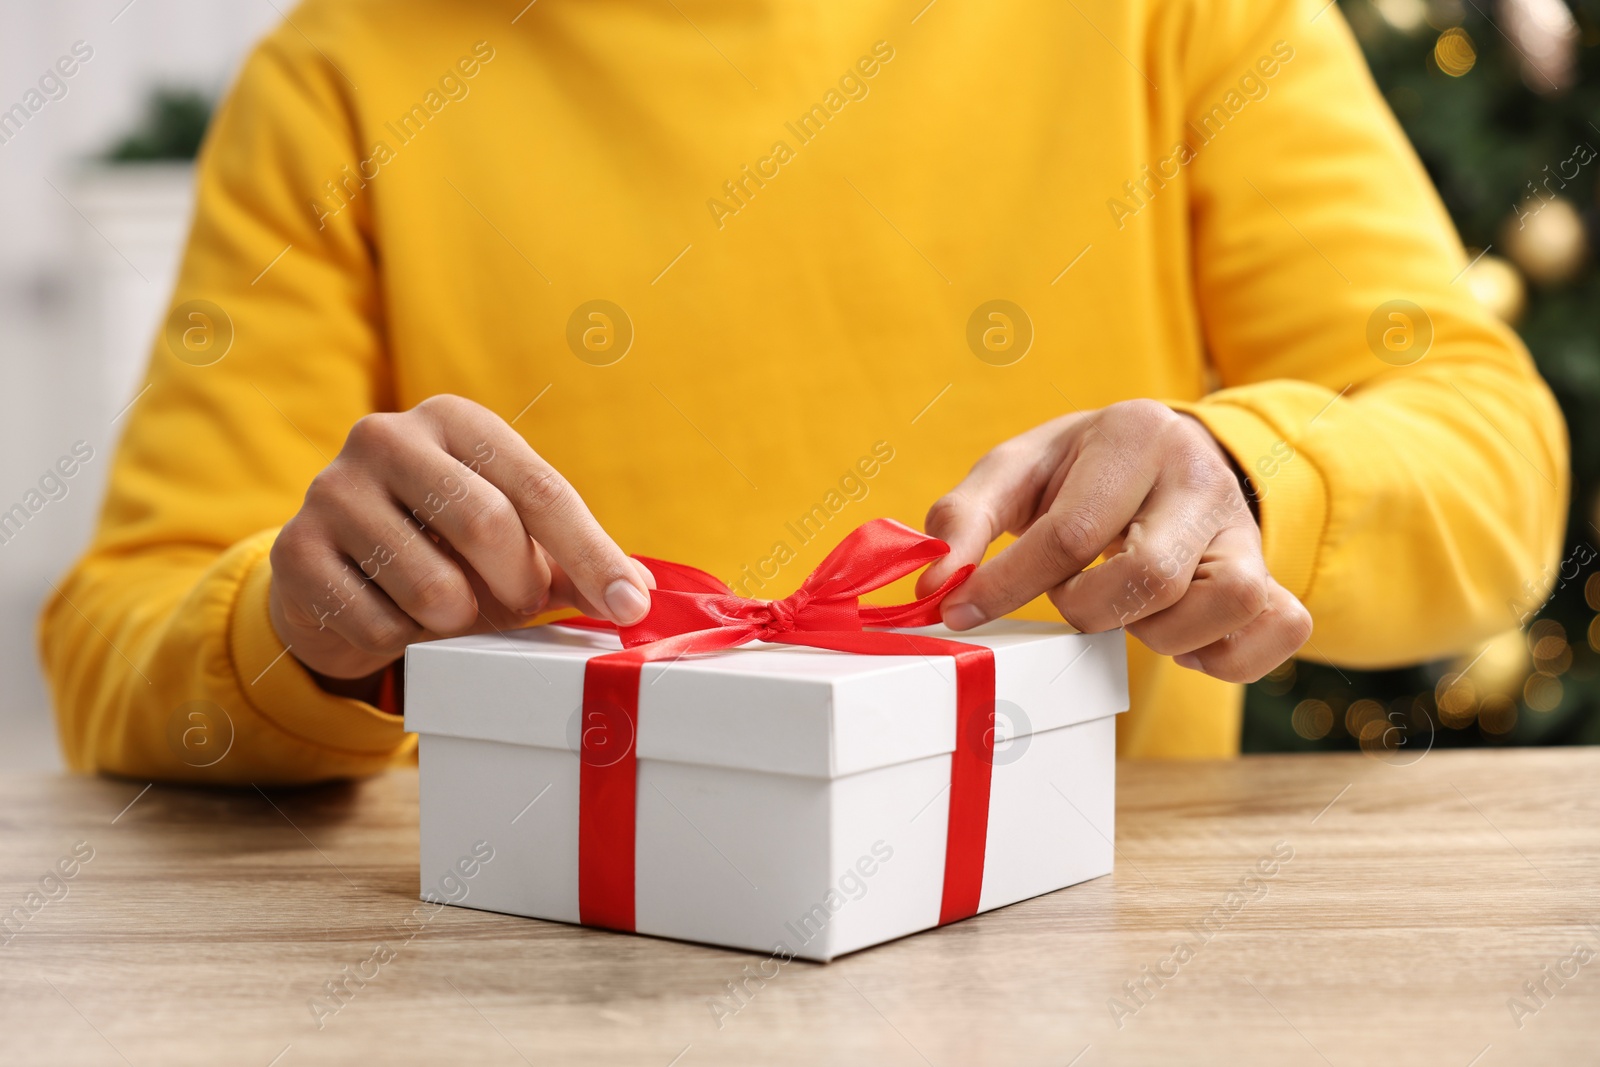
[776,708]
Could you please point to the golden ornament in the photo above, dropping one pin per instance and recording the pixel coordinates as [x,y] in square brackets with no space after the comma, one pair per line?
[1498,287]
[1404,15]
[1546,239]
[1498,668]
[1454,52]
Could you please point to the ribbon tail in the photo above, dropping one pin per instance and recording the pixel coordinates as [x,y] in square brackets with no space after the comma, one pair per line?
[971,763]
[584,622]
[923,612]
[608,771]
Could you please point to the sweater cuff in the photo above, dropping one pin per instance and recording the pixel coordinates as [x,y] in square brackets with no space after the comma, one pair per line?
[283,692]
[1290,493]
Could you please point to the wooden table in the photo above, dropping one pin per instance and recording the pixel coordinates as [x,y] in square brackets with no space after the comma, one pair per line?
[1418,900]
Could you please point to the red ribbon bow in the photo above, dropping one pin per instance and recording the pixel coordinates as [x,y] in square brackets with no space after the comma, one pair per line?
[692,611]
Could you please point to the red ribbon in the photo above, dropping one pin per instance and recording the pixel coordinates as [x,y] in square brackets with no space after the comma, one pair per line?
[692,611]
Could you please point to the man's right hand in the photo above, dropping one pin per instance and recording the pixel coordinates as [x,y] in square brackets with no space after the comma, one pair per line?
[434,522]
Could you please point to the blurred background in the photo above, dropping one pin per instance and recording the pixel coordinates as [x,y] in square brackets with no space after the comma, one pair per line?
[94,206]
[103,104]
[1501,99]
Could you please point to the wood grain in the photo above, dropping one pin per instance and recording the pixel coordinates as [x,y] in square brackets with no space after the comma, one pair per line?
[1417,902]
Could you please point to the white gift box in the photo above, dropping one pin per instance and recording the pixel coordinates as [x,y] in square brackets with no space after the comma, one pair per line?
[790,800]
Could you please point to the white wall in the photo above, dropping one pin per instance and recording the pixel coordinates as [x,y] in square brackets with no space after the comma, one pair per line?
[80,294]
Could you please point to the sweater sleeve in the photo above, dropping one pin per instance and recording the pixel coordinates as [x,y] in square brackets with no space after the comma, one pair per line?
[157,644]
[1411,465]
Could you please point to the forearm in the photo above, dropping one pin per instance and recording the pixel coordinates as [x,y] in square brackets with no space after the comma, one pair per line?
[1409,512]
[164,666]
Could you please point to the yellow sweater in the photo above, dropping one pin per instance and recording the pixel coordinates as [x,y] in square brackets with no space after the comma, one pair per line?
[799,209]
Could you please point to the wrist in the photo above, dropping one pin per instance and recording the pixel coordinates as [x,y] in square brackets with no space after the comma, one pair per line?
[1247,488]
[366,690]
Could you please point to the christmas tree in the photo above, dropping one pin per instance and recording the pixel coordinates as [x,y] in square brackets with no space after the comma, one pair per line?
[1502,101]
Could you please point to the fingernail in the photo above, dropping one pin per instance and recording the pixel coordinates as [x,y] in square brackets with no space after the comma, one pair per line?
[625,602]
[963,616]
[1189,660]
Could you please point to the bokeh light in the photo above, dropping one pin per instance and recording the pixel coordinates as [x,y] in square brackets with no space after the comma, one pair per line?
[1312,719]
[1454,53]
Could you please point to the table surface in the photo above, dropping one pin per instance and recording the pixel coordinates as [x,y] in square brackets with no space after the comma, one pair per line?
[1417,902]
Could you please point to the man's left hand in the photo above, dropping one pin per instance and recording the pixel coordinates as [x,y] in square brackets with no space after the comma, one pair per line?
[1152,492]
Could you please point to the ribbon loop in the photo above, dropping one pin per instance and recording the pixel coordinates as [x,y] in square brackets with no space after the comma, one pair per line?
[874,554]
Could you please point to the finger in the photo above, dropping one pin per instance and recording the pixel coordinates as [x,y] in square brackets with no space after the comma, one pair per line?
[1103,489]
[967,525]
[565,594]
[492,615]
[1193,514]
[1002,492]
[1248,654]
[1229,590]
[444,496]
[552,511]
[325,592]
[487,614]
[419,575]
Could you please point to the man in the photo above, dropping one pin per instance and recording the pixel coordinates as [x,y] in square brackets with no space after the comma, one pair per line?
[477,298]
